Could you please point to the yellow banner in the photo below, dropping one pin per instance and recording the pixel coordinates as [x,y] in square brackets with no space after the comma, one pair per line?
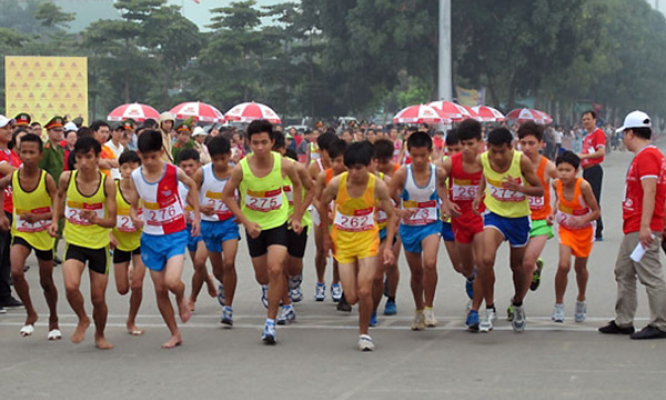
[45,87]
[469,97]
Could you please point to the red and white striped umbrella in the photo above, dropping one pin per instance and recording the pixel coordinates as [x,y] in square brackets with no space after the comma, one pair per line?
[198,111]
[450,110]
[248,112]
[419,114]
[472,113]
[489,114]
[521,115]
[136,111]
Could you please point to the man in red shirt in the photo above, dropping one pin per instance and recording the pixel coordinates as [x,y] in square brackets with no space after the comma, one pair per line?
[643,225]
[594,150]
[9,161]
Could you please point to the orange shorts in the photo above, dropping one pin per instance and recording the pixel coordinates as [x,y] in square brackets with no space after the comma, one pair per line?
[580,241]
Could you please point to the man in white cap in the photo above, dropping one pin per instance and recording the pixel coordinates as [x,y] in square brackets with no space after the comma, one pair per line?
[643,225]
[199,135]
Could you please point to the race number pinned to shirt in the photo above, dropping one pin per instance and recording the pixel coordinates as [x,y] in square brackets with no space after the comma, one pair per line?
[124,222]
[424,212]
[289,193]
[536,203]
[463,190]
[500,193]
[74,209]
[362,220]
[31,227]
[264,200]
[219,207]
[162,213]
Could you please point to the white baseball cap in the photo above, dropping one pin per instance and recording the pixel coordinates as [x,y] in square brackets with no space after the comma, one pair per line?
[71,126]
[4,121]
[635,119]
[199,131]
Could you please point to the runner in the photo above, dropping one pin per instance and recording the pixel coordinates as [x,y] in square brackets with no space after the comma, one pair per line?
[295,242]
[189,163]
[33,191]
[531,140]
[218,226]
[126,240]
[89,201]
[576,211]
[264,211]
[354,237]
[465,172]
[165,232]
[509,178]
[388,275]
[315,169]
[419,186]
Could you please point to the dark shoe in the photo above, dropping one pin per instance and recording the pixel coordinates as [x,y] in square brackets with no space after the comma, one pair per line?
[57,261]
[599,239]
[11,303]
[2,310]
[649,332]
[343,305]
[612,328]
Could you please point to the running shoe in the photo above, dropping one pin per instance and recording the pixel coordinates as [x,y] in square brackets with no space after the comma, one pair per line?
[343,305]
[220,295]
[486,325]
[472,321]
[386,288]
[390,308]
[430,320]
[469,288]
[365,343]
[3,310]
[510,312]
[227,316]
[536,278]
[518,322]
[373,319]
[336,292]
[320,291]
[419,323]
[581,311]
[264,295]
[269,336]
[295,292]
[558,313]
[287,315]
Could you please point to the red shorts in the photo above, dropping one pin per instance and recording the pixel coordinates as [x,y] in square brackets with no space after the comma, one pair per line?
[466,226]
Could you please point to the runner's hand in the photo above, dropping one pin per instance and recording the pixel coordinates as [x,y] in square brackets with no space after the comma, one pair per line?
[29,217]
[253,229]
[550,219]
[296,227]
[208,209]
[454,210]
[90,216]
[510,183]
[328,245]
[53,229]
[196,228]
[113,242]
[138,223]
[389,257]
[475,205]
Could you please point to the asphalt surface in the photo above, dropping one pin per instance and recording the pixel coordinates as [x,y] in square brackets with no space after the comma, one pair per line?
[316,356]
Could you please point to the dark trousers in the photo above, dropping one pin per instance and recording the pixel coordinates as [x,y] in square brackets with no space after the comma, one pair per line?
[5,266]
[595,176]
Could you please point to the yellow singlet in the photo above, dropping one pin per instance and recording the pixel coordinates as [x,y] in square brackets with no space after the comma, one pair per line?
[262,199]
[503,202]
[37,201]
[79,231]
[127,235]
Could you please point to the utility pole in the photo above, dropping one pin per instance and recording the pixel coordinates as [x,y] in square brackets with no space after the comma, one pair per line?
[445,90]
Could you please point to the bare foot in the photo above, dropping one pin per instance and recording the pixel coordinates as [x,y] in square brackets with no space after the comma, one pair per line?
[80,331]
[134,330]
[102,343]
[184,311]
[175,340]
[212,290]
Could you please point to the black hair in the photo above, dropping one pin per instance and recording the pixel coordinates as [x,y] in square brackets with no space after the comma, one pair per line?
[279,142]
[149,124]
[85,144]
[528,128]
[412,129]
[499,137]
[324,141]
[31,137]
[129,156]
[469,129]
[17,131]
[291,154]
[644,133]
[83,132]
[219,145]
[188,154]
[337,148]
[35,123]
[592,113]
[568,157]
[358,153]
[98,124]
[452,136]
[383,149]
[150,140]
[259,126]
[419,140]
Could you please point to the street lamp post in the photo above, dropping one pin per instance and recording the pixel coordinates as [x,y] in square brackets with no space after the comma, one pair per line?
[445,90]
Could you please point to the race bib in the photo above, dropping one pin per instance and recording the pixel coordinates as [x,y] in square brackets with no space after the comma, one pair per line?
[264,200]
[219,207]
[565,216]
[362,220]
[162,213]
[124,221]
[381,216]
[32,227]
[425,212]
[502,194]
[74,209]
[289,193]
[463,192]
[536,203]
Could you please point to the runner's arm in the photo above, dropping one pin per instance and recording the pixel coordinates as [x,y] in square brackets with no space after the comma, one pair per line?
[6,168]
[591,201]
[289,169]
[397,184]
[308,185]
[228,194]
[534,188]
[111,207]
[192,199]
[327,196]
[386,204]
[320,183]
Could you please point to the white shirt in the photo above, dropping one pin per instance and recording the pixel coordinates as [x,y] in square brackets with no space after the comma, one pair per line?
[115,172]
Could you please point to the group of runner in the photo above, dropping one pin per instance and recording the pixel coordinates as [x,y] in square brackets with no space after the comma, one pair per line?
[361,204]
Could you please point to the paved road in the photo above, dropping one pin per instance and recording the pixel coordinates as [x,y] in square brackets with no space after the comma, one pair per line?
[316,356]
